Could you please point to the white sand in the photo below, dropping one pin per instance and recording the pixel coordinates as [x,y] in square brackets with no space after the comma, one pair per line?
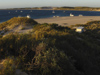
[18,29]
[65,21]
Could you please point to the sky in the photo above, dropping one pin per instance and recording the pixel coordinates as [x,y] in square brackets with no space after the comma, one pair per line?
[54,3]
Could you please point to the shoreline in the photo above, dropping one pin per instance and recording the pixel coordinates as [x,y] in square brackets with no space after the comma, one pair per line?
[51,9]
[67,20]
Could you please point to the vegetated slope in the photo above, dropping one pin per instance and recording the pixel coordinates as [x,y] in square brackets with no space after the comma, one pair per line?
[53,50]
[13,22]
[79,8]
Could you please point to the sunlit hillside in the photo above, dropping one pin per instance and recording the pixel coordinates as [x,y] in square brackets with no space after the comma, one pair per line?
[13,22]
[51,50]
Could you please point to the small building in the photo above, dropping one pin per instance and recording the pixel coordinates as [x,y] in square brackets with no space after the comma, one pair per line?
[80,29]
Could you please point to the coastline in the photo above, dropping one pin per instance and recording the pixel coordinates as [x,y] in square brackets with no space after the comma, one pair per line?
[66,21]
[51,9]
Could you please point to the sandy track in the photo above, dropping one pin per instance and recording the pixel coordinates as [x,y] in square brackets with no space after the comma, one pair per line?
[64,21]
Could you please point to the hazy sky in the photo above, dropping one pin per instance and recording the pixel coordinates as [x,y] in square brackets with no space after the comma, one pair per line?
[40,3]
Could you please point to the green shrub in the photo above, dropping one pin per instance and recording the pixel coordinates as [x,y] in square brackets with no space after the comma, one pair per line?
[54,50]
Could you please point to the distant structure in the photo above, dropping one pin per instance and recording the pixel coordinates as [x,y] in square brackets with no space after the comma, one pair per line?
[28,16]
[71,14]
[80,15]
[16,11]
[21,11]
[55,16]
[53,11]
[80,29]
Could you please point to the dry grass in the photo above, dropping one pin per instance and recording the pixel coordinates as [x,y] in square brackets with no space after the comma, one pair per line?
[13,22]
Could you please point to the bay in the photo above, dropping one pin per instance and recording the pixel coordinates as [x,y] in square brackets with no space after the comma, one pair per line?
[36,14]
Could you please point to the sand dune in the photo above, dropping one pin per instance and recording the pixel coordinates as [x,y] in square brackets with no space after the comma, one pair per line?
[65,21]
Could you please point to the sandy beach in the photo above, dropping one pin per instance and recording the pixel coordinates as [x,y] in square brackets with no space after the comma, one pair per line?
[65,21]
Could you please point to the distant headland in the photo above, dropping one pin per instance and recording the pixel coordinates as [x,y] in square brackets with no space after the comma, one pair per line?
[57,8]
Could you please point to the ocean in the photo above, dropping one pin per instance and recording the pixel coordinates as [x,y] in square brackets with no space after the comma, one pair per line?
[36,14]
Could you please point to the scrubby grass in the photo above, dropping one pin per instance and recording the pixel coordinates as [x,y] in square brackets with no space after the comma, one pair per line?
[54,50]
[17,21]
[9,66]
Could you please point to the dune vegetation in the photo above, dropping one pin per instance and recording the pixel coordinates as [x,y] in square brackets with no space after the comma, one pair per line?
[52,50]
[13,22]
